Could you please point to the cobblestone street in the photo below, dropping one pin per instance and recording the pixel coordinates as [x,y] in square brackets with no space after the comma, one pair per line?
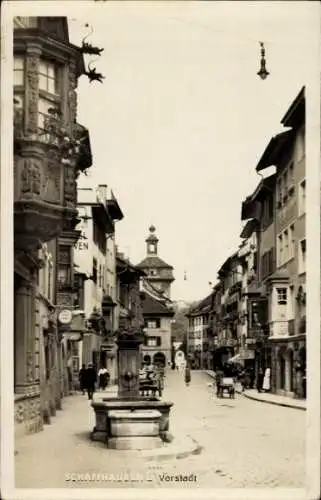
[242,443]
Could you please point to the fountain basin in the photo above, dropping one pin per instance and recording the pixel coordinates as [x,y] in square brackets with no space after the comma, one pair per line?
[134,430]
[102,429]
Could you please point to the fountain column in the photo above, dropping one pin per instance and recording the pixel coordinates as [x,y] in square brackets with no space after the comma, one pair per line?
[128,358]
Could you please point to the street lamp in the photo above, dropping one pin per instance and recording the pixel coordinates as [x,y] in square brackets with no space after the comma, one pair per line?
[263,73]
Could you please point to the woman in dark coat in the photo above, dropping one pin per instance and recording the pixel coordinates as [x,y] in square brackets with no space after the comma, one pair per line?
[260,378]
[187,375]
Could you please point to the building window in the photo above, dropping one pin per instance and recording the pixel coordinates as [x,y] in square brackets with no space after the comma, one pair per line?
[281,296]
[302,196]
[18,71]
[291,242]
[285,186]
[153,341]
[151,248]
[48,77]
[290,186]
[267,263]
[48,91]
[153,272]
[99,238]
[100,275]
[50,280]
[44,105]
[280,250]
[292,303]
[286,246]
[64,266]
[153,323]
[302,256]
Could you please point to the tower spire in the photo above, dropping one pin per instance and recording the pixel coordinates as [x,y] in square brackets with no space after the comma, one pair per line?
[152,241]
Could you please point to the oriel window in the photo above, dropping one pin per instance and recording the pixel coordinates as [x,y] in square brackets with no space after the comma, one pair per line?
[282,296]
[48,77]
[18,71]
[64,266]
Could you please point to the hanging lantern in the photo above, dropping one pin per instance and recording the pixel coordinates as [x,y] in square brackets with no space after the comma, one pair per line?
[263,73]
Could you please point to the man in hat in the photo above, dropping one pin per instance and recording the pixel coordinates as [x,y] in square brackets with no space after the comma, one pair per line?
[91,378]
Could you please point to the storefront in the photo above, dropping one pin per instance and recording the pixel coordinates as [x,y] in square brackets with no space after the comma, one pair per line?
[289,367]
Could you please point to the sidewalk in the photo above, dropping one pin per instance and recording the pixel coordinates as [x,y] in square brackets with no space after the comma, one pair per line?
[273,399]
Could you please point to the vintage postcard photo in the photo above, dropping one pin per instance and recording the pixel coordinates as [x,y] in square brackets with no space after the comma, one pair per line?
[160,249]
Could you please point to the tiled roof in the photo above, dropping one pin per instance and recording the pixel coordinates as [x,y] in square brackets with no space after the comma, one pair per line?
[154,292]
[155,307]
[153,262]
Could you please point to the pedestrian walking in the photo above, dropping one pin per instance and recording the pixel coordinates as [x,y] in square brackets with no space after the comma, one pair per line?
[252,377]
[260,378]
[245,380]
[218,382]
[82,378]
[69,375]
[91,379]
[187,375]
[103,378]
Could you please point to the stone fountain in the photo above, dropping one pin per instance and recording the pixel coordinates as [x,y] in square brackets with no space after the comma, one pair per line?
[129,420]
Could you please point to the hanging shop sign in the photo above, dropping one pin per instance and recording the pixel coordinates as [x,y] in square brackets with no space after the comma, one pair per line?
[82,243]
[65,317]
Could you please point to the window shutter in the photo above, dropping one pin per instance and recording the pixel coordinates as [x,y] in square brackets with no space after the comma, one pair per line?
[158,341]
[271,260]
[262,266]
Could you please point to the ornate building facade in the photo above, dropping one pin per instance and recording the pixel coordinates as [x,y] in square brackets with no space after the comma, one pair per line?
[95,269]
[50,150]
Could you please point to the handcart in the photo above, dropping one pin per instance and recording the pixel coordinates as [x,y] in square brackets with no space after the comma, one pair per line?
[227,386]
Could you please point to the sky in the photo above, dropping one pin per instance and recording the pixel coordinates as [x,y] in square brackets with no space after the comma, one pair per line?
[182,118]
